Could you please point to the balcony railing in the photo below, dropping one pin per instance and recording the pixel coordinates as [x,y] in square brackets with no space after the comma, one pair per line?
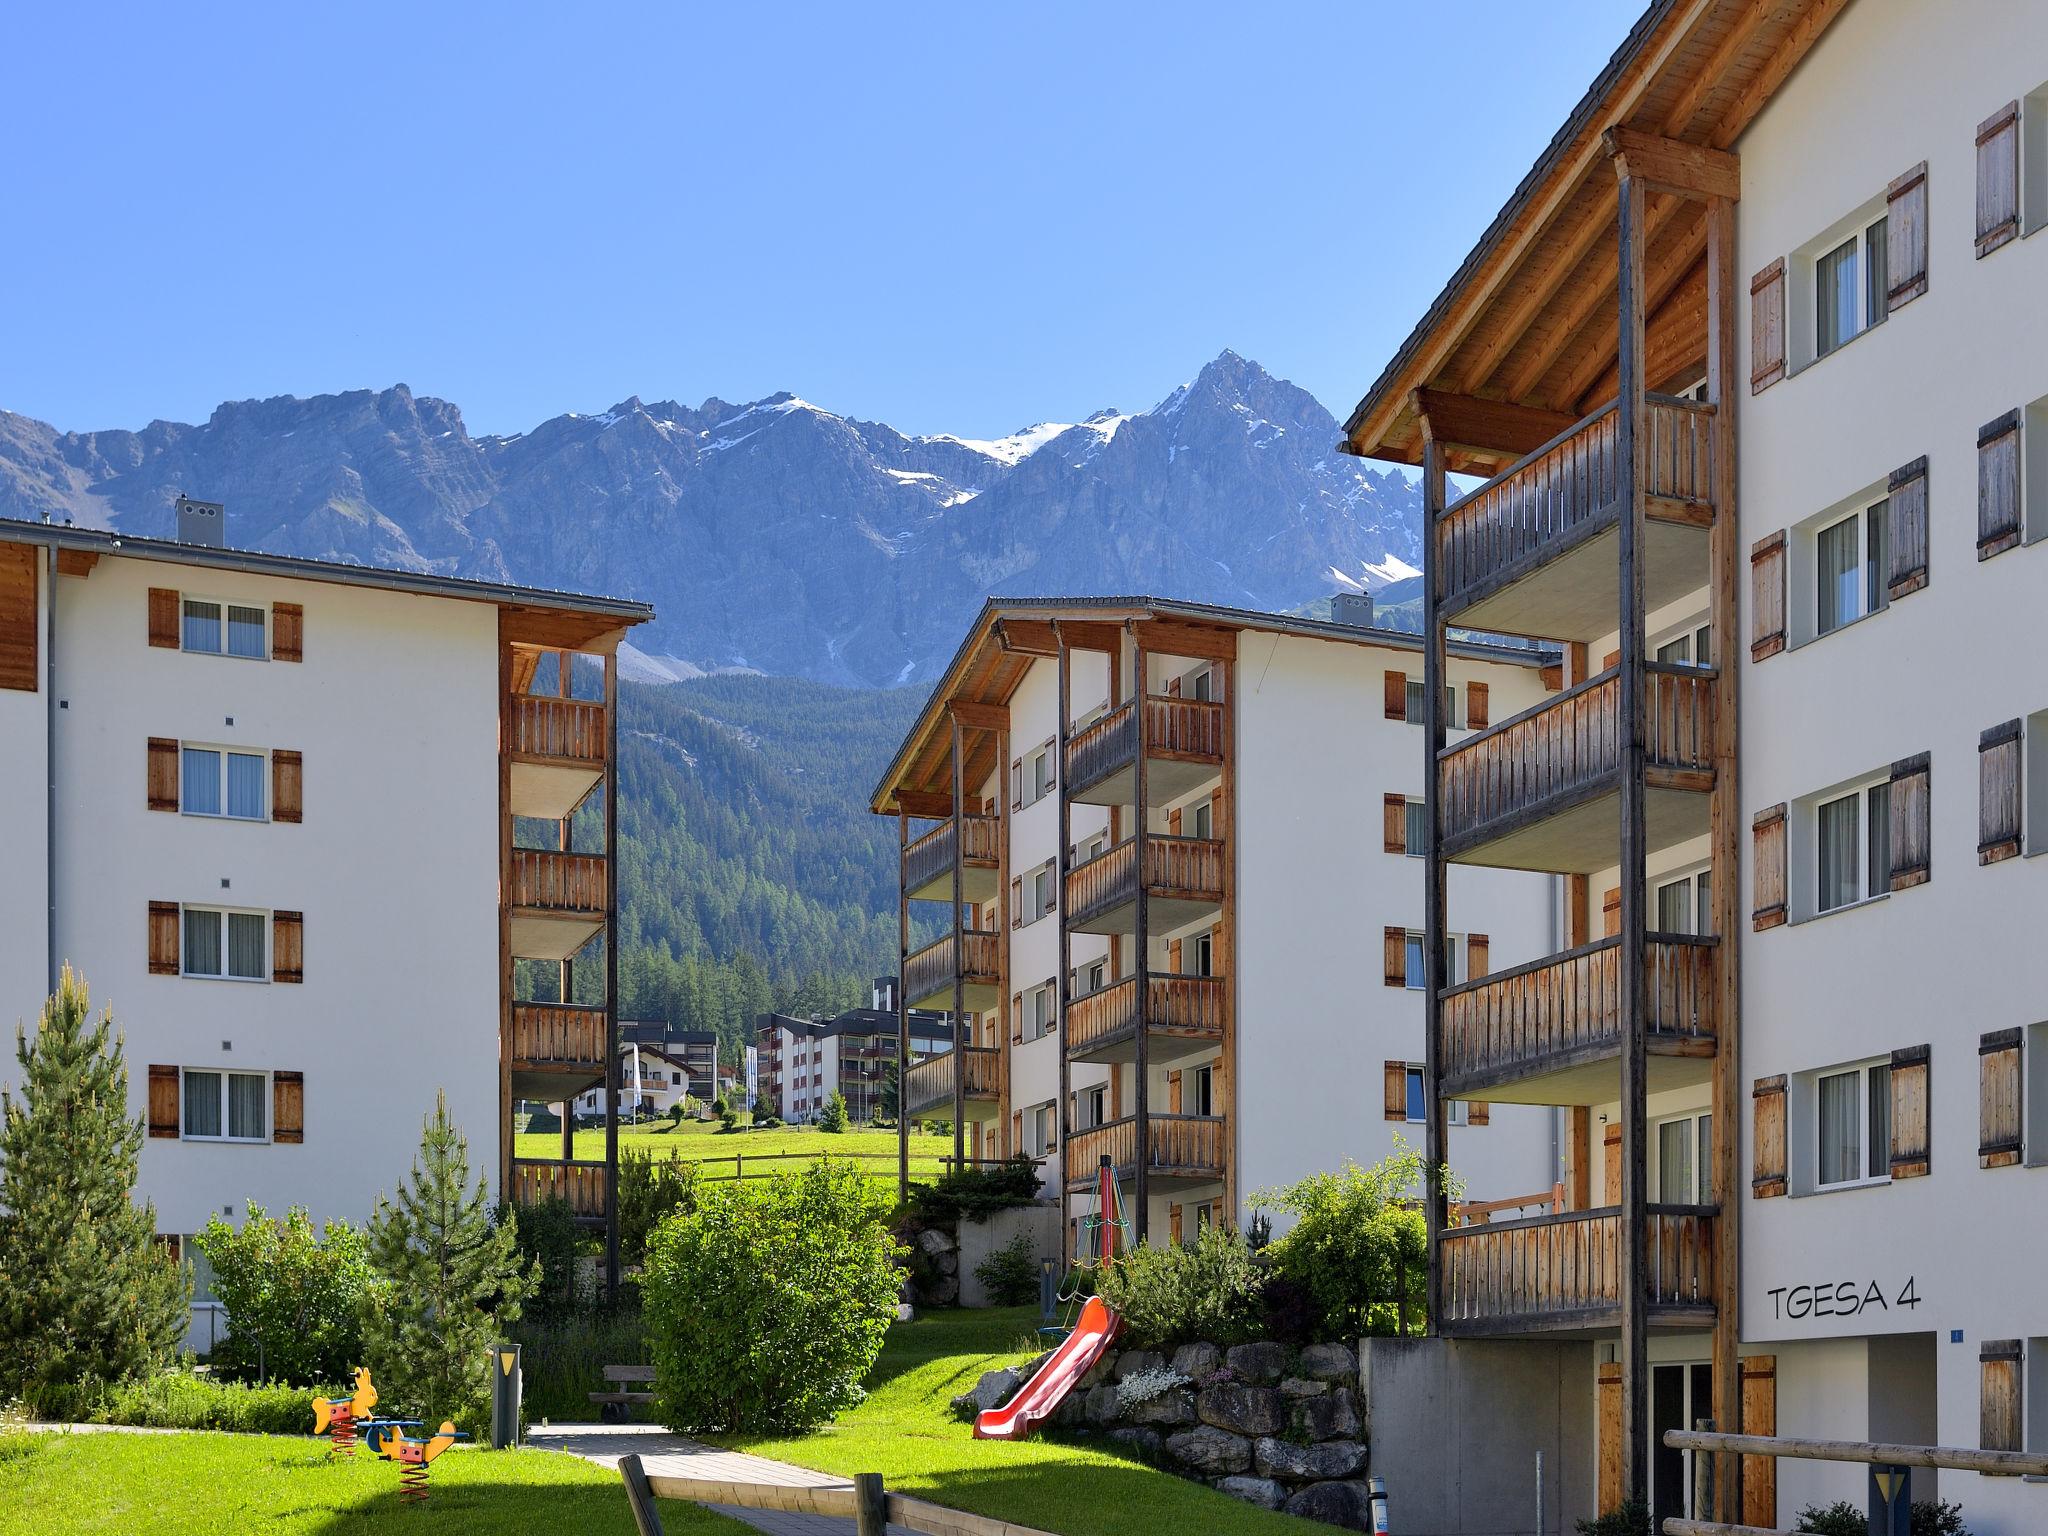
[1186,729]
[928,1085]
[1177,727]
[1189,1006]
[1566,1271]
[581,1185]
[931,970]
[548,880]
[930,857]
[1556,1012]
[1189,868]
[1180,1146]
[1538,502]
[573,729]
[1101,747]
[551,1034]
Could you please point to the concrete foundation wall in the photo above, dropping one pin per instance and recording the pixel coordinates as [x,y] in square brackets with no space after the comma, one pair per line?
[979,1239]
[1457,1425]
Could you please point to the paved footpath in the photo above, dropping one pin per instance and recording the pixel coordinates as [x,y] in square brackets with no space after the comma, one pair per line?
[668,1455]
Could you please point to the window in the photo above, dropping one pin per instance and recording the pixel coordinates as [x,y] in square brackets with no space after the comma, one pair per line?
[1454,952]
[1041,773]
[1041,1007]
[1852,1125]
[1418,1101]
[1091,1106]
[224,944]
[213,781]
[1685,905]
[1205,954]
[1202,1100]
[226,1106]
[1850,573]
[1852,843]
[1202,821]
[1691,647]
[1417,835]
[1849,288]
[1089,978]
[224,629]
[1201,685]
[1038,1131]
[1042,880]
[1452,720]
[1684,1170]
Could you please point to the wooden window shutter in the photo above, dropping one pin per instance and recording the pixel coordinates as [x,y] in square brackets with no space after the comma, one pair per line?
[163,618]
[1016,783]
[1998,1364]
[1609,1392]
[1017,902]
[1397,1090]
[1906,237]
[1478,1112]
[1760,1417]
[1173,953]
[1173,1228]
[287,632]
[1910,815]
[1173,822]
[2000,1139]
[1610,661]
[288,1106]
[1476,946]
[163,1101]
[1767,327]
[1910,1153]
[286,785]
[1174,1098]
[1998,178]
[288,946]
[163,938]
[1767,1130]
[1610,1166]
[1610,913]
[1016,1132]
[1998,792]
[1475,706]
[1397,695]
[1551,679]
[1906,532]
[163,774]
[1396,940]
[1017,1018]
[1998,485]
[1767,597]
[1767,868]
[1394,832]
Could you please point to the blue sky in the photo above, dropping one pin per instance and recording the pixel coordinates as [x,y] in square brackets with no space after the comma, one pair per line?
[957,218]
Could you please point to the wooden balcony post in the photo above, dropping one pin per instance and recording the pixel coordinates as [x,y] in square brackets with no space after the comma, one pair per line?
[959,948]
[1141,941]
[1434,972]
[1004,1023]
[1062,981]
[611,967]
[902,1005]
[505,969]
[1635,1336]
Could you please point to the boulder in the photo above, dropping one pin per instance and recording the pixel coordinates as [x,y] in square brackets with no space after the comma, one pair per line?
[1212,1452]
[1132,1361]
[935,1242]
[941,1290]
[1170,1408]
[995,1388]
[1262,1491]
[1330,1362]
[1308,1463]
[1195,1361]
[1145,1444]
[949,1262]
[1333,1416]
[1242,1410]
[1344,1504]
[1102,1405]
[1072,1412]
[1259,1364]
[1102,1370]
[1301,1386]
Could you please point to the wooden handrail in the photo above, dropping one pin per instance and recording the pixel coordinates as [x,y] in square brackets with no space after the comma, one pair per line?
[1871,1453]
[553,880]
[544,726]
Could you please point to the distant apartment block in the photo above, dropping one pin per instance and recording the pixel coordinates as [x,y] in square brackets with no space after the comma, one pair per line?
[803,1062]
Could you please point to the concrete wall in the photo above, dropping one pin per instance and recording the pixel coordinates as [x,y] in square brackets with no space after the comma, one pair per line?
[980,1238]
[1457,1425]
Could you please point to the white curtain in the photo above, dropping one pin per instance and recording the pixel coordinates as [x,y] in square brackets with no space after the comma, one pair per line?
[1840,588]
[1840,1155]
[199,781]
[245,1104]
[245,631]
[202,1103]
[1837,836]
[245,945]
[202,626]
[202,943]
[245,785]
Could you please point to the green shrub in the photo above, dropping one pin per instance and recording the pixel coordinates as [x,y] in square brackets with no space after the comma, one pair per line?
[727,1121]
[976,1190]
[563,1357]
[1010,1273]
[1840,1518]
[832,1118]
[648,1190]
[550,1241]
[767,1304]
[1358,1247]
[293,1296]
[1631,1518]
[1937,1517]
[1179,1293]
[185,1400]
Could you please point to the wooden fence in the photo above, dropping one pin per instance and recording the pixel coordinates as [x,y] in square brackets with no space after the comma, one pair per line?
[866,1502]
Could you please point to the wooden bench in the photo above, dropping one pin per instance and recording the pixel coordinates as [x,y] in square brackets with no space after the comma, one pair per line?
[615,1402]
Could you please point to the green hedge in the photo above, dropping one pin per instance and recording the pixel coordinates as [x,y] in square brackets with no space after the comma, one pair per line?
[184,1400]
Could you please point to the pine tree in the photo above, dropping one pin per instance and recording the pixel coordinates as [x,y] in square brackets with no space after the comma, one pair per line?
[833,1117]
[87,1294]
[450,1278]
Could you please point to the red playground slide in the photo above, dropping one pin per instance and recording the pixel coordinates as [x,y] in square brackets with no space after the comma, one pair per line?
[1046,1390]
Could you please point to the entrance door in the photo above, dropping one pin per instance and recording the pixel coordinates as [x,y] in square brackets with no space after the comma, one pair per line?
[1679,1395]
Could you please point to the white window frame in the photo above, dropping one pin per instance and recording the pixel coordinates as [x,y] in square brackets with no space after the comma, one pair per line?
[1803,278]
[1202,1090]
[224,913]
[222,605]
[226,1102]
[221,754]
[1810,847]
[2034,1099]
[1415,827]
[1091,1106]
[1802,574]
[1041,772]
[1417,1086]
[1038,1129]
[1873,595]
[2033,163]
[1412,708]
[1694,639]
[1702,1173]
[1698,878]
[1204,954]
[1809,1093]
[1041,1011]
[1044,892]
[1454,959]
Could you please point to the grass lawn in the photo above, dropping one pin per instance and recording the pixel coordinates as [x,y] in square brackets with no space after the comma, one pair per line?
[906,1432]
[781,1148]
[206,1484]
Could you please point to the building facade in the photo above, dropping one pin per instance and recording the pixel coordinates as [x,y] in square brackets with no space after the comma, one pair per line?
[1751,361]
[803,1062]
[266,808]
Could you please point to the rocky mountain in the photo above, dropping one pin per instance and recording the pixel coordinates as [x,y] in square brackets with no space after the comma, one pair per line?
[774,536]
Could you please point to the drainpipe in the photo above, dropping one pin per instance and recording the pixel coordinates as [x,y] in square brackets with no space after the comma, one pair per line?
[50,763]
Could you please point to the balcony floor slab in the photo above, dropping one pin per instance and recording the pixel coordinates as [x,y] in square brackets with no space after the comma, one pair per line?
[1166,778]
[977,883]
[1575,593]
[1583,837]
[538,934]
[549,789]
[1595,1079]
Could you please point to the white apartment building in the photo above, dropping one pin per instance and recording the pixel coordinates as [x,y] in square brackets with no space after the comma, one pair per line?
[1280,1027]
[266,808]
[803,1062]
[651,1083]
[1810,802]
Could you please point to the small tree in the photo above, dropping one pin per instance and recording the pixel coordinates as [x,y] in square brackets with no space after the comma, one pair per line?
[449,1280]
[766,1305]
[648,1190]
[293,1296]
[1009,1274]
[832,1119]
[889,1095]
[87,1294]
[550,1240]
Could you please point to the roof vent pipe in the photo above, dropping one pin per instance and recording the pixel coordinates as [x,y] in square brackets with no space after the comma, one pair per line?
[1352,608]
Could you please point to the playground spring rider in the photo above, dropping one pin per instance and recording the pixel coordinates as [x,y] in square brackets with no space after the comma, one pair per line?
[414,1457]
[343,1415]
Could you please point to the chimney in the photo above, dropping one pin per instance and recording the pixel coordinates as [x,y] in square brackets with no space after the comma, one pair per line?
[883,994]
[202,522]
[1352,608]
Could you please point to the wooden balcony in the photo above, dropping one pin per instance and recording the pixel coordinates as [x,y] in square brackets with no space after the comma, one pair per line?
[557,747]
[557,1050]
[1183,1020]
[580,1184]
[1183,875]
[1563,1273]
[558,902]
[928,1085]
[1550,1032]
[928,977]
[928,861]
[1536,549]
[1542,790]
[1184,751]
[1184,1149]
